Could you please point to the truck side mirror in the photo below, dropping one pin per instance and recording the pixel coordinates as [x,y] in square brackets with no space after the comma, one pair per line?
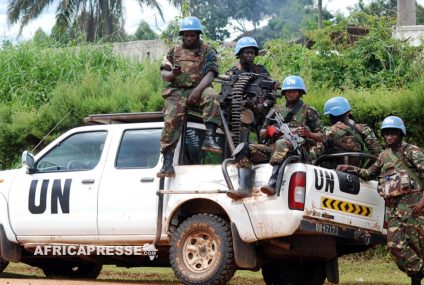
[28,161]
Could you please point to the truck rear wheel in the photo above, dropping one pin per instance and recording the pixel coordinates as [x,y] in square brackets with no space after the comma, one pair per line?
[75,271]
[3,264]
[202,251]
[294,273]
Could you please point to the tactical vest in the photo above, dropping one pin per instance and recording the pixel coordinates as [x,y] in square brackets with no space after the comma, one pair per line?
[396,177]
[299,117]
[349,139]
[191,62]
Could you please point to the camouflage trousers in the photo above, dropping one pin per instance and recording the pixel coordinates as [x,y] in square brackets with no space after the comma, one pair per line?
[258,153]
[174,112]
[405,233]
[281,150]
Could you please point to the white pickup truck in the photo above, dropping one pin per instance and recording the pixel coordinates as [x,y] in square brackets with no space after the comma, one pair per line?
[95,187]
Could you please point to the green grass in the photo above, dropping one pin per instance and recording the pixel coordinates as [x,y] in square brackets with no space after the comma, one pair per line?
[353,271]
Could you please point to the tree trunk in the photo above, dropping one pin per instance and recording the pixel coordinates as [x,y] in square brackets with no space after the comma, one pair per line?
[406,13]
[319,14]
[185,8]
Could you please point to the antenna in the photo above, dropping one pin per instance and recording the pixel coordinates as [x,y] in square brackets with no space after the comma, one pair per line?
[44,138]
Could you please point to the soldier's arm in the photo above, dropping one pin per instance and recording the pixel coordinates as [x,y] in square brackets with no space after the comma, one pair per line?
[166,67]
[371,172]
[416,156]
[371,140]
[314,125]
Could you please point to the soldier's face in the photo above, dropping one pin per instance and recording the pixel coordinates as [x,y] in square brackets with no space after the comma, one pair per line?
[190,38]
[391,137]
[247,55]
[292,95]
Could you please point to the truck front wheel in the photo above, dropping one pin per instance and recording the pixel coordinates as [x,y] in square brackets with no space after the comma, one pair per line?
[202,251]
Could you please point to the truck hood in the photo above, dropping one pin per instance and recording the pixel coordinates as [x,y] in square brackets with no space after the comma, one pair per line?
[6,179]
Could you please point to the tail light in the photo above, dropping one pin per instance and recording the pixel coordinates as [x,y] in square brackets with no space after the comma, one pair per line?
[297,191]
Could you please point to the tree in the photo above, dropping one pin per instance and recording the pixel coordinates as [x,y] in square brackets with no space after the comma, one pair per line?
[387,8]
[406,13]
[95,19]
[216,14]
[144,32]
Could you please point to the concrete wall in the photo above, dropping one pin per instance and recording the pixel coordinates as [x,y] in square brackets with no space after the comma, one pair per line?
[414,34]
[140,50]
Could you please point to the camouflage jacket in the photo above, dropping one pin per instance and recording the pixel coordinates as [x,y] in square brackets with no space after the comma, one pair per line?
[303,115]
[353,137]
[254,68]
[385,168]
[194,63]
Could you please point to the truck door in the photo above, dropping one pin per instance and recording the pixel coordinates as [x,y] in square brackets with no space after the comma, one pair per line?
[62,191]
[127,196]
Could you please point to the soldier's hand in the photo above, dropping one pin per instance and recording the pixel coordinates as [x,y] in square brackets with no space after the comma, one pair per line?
[194,97]
[176,70]
[303,132]
[417,208]
[344,167]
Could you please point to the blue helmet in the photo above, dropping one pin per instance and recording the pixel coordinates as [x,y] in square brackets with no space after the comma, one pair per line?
[393,122]
[336,106]
[245,42]
[293,82]
[190,24]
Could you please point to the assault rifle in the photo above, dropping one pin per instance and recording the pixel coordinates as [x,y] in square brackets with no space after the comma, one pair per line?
[295,140]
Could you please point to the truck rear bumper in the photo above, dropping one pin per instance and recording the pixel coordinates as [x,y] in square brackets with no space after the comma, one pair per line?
[364,236]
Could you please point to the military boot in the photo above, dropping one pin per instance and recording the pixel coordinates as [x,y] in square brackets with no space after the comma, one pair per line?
[272,183]
[245,184]
[209,144]
[167,169]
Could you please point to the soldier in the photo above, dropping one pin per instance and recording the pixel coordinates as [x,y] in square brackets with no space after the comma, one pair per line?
[246,51]
[345,135]
[400,170]
[301,118]
[189,67]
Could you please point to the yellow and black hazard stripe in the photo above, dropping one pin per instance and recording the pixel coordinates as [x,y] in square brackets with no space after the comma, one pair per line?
[346,207]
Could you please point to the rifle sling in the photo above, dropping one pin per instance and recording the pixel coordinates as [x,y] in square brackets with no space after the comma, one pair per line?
[352,131]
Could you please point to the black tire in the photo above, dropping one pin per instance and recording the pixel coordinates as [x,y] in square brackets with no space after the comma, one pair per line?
[74,271]
[294,273]
[202,251]
[3,264]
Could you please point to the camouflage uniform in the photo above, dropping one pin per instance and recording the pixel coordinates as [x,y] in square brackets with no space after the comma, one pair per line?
[303,115]
[257,153]
[195,63]
[347,138]
[253,68]
[405,234]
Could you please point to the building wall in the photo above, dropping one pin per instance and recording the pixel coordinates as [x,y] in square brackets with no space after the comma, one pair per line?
[414,34]
[140,50]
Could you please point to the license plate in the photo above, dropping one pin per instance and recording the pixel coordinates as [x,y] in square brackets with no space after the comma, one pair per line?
[327,229]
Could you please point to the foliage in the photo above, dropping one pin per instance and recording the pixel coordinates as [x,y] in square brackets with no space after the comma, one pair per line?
[217,14]
[78,19]
[85,82]
[144,32]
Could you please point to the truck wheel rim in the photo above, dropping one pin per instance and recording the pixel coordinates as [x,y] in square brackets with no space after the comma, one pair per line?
[199,251]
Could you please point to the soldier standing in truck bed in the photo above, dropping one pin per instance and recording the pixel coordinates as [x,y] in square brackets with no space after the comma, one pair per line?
[190,68]
[246,51]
